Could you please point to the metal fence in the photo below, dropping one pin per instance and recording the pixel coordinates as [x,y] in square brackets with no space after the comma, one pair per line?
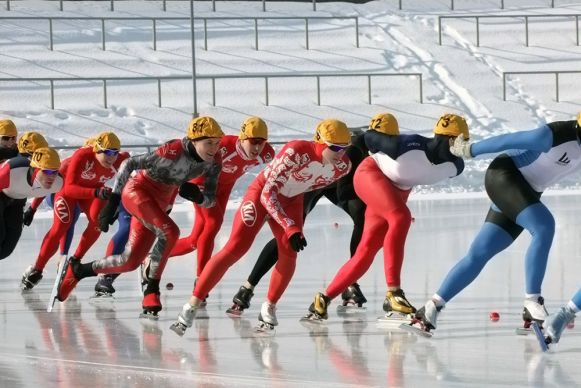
[555,72]
[266,77]
[526,19]
[164,4]
[155,20]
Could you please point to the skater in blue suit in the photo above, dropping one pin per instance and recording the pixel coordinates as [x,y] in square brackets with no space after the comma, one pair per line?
[555,323]
[515,180]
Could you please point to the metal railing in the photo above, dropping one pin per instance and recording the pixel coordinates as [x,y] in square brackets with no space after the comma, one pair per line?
[164,4]
[213,78]
[154,21]
[526,19]
[555,72]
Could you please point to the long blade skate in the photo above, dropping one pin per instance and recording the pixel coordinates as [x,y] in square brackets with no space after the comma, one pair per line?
[178,328]
[422,331]
[312,317]
[351,308]
[264,329]
[235,311]
[540,337]
[395,318]
[60,275]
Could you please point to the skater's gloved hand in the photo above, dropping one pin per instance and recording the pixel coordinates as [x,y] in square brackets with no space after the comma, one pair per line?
[109,211]
[461,148]
[297,242]
[103,192]
[28,216]
[191,192]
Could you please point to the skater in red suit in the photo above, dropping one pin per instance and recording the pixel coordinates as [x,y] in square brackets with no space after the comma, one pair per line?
[276,196]
[384,181]
[148,197]
[87,172]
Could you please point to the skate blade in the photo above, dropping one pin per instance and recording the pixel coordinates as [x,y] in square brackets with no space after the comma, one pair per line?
[178,328]
[234,313]
[62,270]
[311,317]
[523,331]
[396,317]
[540,337]
[264,329]
[150,316]
[415,330]
[351,309]
[102,297]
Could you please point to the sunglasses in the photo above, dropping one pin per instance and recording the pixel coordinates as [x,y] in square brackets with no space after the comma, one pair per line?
[109,152]
[256,140]
[8,138]
[50,172]
[337,147]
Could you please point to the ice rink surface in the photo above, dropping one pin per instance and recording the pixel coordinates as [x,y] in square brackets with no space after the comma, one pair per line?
[106,345]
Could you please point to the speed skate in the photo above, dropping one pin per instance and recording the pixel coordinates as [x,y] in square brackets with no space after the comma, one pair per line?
[394,319]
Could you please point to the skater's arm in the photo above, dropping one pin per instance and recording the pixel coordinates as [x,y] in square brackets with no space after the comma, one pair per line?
[540,139]
[74,186]
[138,162]
[211,185]
[283,166]
[380,142]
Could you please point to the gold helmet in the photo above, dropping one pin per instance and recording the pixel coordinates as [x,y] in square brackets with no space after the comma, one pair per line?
[331,131]
[452,125]
[7,128]
[30,141]
[45,158]
[253,127]
[385,123]
[106,141]
[203,126]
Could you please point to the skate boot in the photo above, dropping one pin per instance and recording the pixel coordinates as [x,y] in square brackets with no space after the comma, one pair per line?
[352,296]
[68,282]
[426,318]
[534,311]
[144,274]
[267,317]
[151,306]
[104,287]
[241,301]
[185,319]
[318,309]
[555,324]
[30,278]
[396,305]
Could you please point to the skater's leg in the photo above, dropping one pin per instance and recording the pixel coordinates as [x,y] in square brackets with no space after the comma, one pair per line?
[11,228]
[356,210]
[91,208]
[67,239]
[62,220]
[266,260]
[188,244]
[214,217]
[287,257]
[117,243]
[539,222]
[490,240]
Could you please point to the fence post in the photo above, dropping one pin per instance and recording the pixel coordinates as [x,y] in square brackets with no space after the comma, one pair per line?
[61,5]
[105,93]
[112,5]
[318,90]
[557,85]
[266,89]
[477,31]
[400,5]
[314,5]
[307,33]
[103,33]
[256,33]
[205,34]
[52,94]
[50,33]
[263,5]
[164,7]
[154,34]
[369,89]
[501,4]
[159,92]
[504,86]
[552,3]
[213,5]
[357,31]
[452,5]
[440,30]
[213,91]
[7,5]
[421,79]
[527,30]
[577,28]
